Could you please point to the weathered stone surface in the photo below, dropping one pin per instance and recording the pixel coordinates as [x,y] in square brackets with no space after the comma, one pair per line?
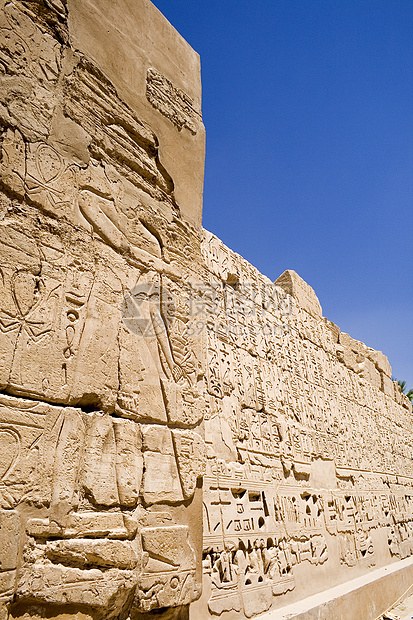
[380,361]
[305,296]
[358,348]
[308,473]
[168,568]
[157,74]
[9,538]
[367,370]
[191,459]
[101,174]
[139,355]
[161,479]
[96,525]
[83,552]
[57,612]
[58,584]
[335,330]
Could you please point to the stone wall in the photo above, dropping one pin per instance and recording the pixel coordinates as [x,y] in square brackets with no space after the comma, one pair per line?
[150,378]
[309,469]
[102,148]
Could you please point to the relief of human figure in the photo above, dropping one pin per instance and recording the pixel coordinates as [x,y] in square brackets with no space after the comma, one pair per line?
[271,562]
[255,559]
[143,317]
[147,295]
[170,365]
[111,227]
[240,560]
[224,572]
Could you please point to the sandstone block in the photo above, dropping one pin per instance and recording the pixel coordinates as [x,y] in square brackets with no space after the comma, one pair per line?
[359,348]
[96,525]
[191,458]
[406,403]
[161,481]
[126,330]
[387,384]
[347,357]
[302,292]
[107,590]
[87,553]
[368,371]
[9,539]
[380,361]
[334,329]
[168,568]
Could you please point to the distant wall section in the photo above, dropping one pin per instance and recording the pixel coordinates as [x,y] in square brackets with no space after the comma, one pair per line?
[309,470]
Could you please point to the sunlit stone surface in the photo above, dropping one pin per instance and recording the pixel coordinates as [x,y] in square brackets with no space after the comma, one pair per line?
[178,435]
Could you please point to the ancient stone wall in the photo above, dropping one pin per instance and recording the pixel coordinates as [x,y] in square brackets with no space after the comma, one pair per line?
[150,378]
[100,407]
[309,469]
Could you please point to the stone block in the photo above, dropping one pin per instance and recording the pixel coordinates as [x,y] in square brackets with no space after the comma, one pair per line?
[368,371]
[358,348]
[406,403]
[302,292]
[86,553]
[168,565]
[126,330]
[57,584]
[161,481]
[334,329]
[9,539]
[380,361]
[96,525]
[387,385]
[347,357]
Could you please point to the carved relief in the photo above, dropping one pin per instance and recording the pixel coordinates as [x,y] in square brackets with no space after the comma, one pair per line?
[101,375]
[172,102]
[124,336]
[74,466]
[292,421]
[168,568]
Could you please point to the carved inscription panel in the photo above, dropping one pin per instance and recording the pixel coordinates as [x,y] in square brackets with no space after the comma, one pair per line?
[101,373]
[138,358]
[309,469]
[172,102]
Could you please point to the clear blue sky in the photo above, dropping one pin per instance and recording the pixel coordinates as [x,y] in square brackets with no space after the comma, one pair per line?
[308,107]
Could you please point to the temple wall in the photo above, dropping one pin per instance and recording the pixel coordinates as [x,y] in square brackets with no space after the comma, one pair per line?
[101,451]
[153,384]
[309,470]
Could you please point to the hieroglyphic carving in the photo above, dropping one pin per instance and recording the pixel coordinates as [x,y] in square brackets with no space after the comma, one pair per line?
[303,436]
[172,102]
[120,343]
[101,373]
[58,305]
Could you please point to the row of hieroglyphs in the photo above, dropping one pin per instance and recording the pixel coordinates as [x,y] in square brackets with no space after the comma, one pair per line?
[287,519]
[100,372]
[309,461]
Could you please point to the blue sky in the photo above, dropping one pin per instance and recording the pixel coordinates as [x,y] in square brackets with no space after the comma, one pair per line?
[308,107]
